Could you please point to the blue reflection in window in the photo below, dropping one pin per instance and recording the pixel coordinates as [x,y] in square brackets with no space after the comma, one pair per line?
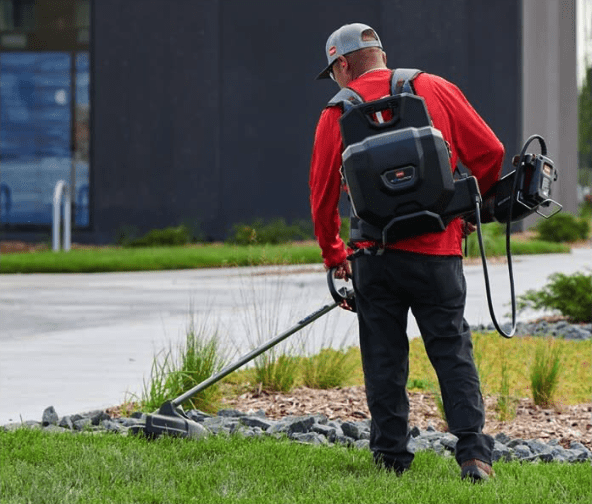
[36,134]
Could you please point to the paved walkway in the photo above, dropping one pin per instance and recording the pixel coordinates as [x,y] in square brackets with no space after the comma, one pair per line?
[82,342]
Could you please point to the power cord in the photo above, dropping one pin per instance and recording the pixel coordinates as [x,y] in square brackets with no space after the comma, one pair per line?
[512,331]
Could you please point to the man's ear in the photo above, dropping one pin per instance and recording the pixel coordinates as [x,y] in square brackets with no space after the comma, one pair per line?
[384,57]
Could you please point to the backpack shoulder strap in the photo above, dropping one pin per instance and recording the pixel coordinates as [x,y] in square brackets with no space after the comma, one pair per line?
[346,97]
[402,80]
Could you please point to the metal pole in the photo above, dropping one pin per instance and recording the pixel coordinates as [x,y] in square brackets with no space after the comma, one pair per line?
[61,188]
[67,220]
[57,197]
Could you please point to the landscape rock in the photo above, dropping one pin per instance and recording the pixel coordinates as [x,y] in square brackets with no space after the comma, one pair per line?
[49,417]
[66,422]
[256,421]
[350,429]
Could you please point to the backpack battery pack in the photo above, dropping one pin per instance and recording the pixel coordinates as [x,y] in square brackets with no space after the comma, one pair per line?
[398,171]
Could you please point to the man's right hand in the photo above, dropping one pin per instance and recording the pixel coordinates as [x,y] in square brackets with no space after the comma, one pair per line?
[343,271]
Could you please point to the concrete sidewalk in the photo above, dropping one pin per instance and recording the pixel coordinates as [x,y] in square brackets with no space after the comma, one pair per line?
[82,342]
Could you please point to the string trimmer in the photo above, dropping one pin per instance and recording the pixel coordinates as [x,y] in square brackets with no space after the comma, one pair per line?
[170,417]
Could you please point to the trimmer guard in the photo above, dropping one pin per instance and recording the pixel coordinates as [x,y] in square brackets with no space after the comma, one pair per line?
[173,421]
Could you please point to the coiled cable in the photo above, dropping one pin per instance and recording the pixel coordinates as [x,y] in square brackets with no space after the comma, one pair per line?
[496,324]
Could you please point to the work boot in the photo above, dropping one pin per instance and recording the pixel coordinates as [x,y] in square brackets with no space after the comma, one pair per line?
[389,464]
[476,470]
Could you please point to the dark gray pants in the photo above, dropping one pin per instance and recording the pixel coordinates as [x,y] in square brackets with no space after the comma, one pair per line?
[434,288]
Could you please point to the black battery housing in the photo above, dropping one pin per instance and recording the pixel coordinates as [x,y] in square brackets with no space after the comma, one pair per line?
[398,172]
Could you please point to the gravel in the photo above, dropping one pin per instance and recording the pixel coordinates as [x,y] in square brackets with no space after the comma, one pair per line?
[309,429]
[558,329]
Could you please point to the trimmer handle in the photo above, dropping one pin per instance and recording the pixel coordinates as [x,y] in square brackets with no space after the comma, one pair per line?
[342,294]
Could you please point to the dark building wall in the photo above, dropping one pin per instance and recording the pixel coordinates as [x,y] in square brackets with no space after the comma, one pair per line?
[205,110]
[155,113]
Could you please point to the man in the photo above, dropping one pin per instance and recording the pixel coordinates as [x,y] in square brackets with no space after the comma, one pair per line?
[422,273]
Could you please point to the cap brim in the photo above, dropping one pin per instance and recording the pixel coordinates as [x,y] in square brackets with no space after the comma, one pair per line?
[325,73]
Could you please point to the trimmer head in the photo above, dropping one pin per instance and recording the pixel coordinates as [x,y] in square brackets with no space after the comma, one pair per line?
[171,420]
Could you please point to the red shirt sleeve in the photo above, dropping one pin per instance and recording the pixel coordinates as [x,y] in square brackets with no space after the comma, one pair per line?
[473,141]
[325,186]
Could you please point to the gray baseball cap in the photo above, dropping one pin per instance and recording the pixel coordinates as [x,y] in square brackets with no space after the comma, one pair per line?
[345,40]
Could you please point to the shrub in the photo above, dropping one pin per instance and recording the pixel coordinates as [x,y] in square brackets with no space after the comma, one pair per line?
[243,234]
[563,227]
[585,210]
[544,372]
[179,235]
[272,232]
[571,295]
[125,234]
[200,359]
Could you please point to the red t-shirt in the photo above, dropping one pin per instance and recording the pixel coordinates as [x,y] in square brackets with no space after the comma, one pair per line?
[471,140]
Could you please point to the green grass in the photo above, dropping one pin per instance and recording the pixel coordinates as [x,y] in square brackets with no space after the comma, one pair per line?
[106,259]
[158,258]
[64,468]
[506,364]
[494,241]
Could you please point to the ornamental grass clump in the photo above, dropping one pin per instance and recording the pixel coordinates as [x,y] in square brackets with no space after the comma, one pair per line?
[330,368]
[179,368]
[276,373]
[506,402]
[276,369]
[544,371]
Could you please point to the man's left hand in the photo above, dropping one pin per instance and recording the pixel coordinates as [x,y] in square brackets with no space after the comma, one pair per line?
[467,228]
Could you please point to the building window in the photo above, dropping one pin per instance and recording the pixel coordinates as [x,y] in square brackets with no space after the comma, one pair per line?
[44,110]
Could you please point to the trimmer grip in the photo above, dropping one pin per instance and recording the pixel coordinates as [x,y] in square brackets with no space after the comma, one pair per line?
[342,294]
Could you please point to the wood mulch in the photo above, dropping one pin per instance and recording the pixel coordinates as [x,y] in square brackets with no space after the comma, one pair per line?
[16,247]
[564,423]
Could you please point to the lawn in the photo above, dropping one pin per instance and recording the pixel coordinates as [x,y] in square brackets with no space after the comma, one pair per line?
[105,259]
[63,468]
[109,259]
